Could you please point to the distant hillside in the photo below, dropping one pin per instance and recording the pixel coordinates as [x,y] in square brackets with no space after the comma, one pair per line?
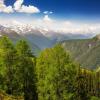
[85,51]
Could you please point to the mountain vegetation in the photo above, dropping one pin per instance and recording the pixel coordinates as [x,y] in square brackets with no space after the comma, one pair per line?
[53,75]
[84,51]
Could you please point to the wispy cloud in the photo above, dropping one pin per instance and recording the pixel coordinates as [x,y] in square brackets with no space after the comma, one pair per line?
[48,12]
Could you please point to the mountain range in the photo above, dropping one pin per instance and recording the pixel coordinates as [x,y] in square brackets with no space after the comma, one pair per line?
[38,37]
[83,48]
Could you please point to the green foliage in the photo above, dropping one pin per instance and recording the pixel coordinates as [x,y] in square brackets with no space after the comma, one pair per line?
[7,64]
[94,98]
[26,70]
[23,49]
[51,76]
[17,69]
[55,71]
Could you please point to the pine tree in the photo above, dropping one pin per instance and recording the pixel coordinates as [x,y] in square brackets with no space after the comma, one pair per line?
[8,60]
[81,92]
[55,72]
[26,70]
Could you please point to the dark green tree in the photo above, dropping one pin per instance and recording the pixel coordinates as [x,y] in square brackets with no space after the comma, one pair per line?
[7,64]
[81,84]
[25,70]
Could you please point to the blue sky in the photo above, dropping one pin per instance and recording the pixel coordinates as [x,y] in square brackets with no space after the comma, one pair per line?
[66,9]
[66,16]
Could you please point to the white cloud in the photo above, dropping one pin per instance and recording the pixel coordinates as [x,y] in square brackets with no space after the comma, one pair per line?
[29,9]
[19,7]
[4,8]
[47,19]
[18,4]
[8,9]
[80,28]
[69,27]
[46,22]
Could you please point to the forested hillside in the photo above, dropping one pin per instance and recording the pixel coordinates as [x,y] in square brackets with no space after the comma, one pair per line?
[84,51]
[53,75]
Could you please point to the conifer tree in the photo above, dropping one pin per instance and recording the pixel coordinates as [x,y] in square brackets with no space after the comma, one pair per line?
[7,62]
[26,70]
[55,72]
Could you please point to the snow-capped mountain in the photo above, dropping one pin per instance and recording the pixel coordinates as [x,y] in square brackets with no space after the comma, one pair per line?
[23,29]
[40,36]
[8,32]
[36,40]
[14,36]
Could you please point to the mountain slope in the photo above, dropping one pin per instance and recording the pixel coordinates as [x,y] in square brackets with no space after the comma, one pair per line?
[86,51]
[14,36]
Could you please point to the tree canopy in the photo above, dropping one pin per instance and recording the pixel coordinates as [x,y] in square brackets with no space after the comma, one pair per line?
[52,75]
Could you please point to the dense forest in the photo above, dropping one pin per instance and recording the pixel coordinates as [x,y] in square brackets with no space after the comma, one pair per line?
[52,75]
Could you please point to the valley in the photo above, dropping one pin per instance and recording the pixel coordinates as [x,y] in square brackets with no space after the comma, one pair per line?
[84,49]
